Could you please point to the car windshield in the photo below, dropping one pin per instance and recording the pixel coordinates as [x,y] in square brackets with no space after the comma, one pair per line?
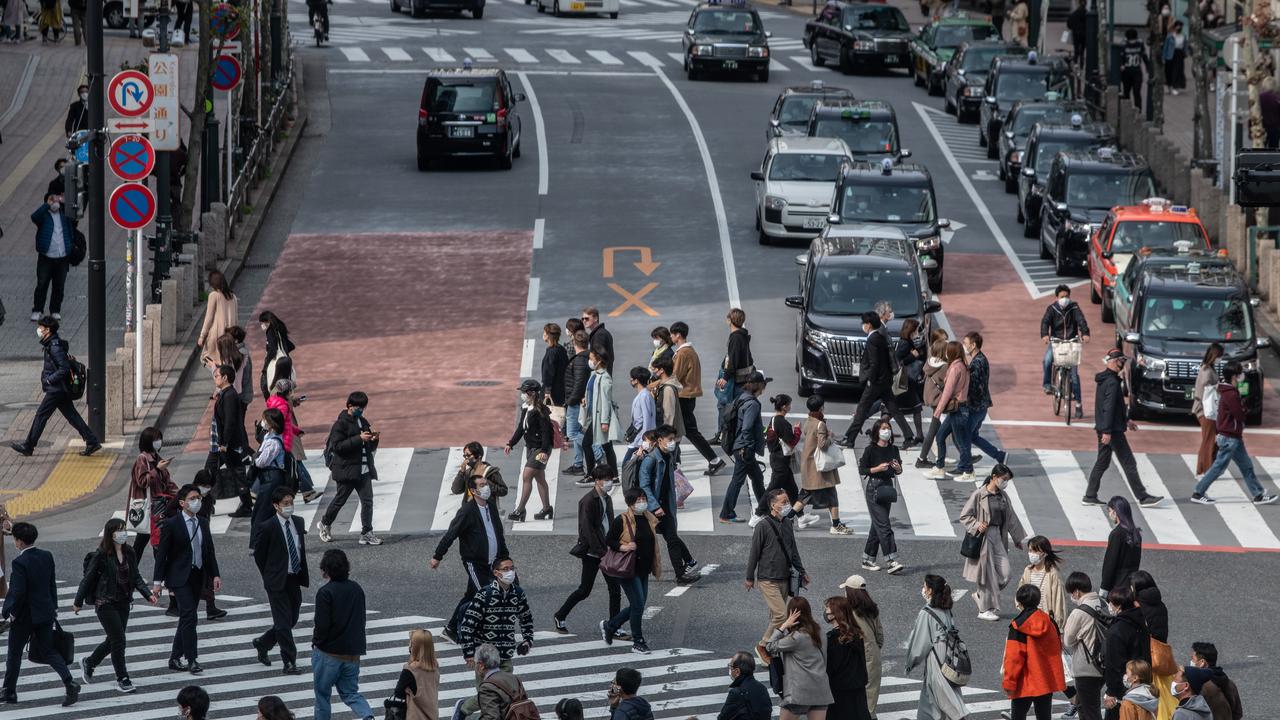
[1197,319]
[1026,119]
[463,97]
[880,18]
[725,21]
[957,35]
[1020,85]
[1046,151]
[862,136]
[1134,234]
[1106,190]
[795,109]
[853,291]
[805,167]
[978,60]
[887,203]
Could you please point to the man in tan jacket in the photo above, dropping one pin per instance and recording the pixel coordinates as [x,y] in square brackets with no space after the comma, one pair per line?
[687,370]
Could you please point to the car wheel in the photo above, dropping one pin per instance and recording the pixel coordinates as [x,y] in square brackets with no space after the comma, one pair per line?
[982,137]
[950,107]
[814,57]
[477,12]
[542,8]
[395,8]
[516,152]
[1108,310]
[1137,412]
[804,389]
[1060,260]
[935,281]
[1044,249]
[1021,219]
[504,161]
[113,15]
[1030,228]
[1010,183]
[764,238]
[846,63]
[993,147]
[915,76]
[415,12]
[935,88]
[763,76]
[424,164]
[613,16]
[555,8]
[1254,417]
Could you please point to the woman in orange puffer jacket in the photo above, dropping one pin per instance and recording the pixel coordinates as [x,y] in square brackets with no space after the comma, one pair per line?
[1032,658]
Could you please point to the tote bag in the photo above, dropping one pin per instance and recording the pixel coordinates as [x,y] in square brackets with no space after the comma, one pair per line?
[829,459]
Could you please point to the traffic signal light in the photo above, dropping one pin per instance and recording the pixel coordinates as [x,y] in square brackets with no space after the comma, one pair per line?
[75,193]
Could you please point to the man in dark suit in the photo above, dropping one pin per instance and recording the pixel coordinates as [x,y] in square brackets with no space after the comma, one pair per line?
[228,442]
[32,605]
[184,558]
[478,529]
[281,555]
[877,368]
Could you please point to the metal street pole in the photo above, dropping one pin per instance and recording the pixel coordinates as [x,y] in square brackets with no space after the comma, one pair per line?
[164,199]
[97,300]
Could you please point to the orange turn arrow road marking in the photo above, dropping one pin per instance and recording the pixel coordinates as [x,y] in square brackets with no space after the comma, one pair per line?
[646,265]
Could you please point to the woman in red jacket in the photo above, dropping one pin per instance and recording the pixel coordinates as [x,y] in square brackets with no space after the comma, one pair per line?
[1032,658]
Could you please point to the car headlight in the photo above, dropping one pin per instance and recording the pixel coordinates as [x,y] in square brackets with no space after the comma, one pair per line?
[1015,157]
[929,243]
[818,338]
[1250,365]
[973,91]
[702,49]
[1153,364]
[773,202]
[758,51]
[864,45]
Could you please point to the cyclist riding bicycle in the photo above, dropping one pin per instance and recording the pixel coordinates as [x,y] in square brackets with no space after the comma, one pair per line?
[1063,320]
[321,8]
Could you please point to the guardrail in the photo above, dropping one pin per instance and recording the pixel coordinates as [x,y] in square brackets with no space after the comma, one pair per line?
[251,167]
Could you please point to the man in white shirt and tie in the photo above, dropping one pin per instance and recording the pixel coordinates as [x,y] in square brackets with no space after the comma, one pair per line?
[281,555]
[184,558]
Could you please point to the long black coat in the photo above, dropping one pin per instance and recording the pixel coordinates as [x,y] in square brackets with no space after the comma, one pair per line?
[349,451]
[847,673]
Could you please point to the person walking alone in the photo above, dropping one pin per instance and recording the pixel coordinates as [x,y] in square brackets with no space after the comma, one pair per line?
[1032,669]
[55,244]
[738,366]
[418,688]
[818,487]
[279,346]
[989,514]
[879,465]
[687,369]
[494,616]
[1123,556]
[783,441]
[595,510]
[599,339]
[221,311]
[979,404]
[31,606]
[338,639]
[1174,53]
[269,467]
[1207,384]
[1133,59]
[1082,638]
[1230,439]
[634,530]
[599,415]
[644,413]
[110,579]
[281,556]
[534,427]
[846,662]
[353,443]
[954,402]
[55,382]
[1042,573]
[747,444]
[575,389]
[877,369]
[184,557]
[554,362]
[149,480]
[773,561]
[1111,422]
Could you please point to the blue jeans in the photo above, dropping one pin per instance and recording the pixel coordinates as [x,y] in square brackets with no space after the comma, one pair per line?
[976,418]
[328,671]
[957,425]
[637,590]
[724,396]
[573,432]
[1229,449]
[1048,371]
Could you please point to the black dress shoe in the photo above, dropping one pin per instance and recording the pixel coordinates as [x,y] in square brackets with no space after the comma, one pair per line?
[194,668]
[25,452]
[73,694]
[176,665]
[89,450]
[172,610]
[9,696]
[291,669]
[263,657]
[216,614]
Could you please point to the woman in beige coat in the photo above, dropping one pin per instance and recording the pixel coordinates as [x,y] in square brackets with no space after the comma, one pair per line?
[220,313]
[1205,379]
[817,489]
[1018,25]
[989,513]
[1042,572]
[867,613]
[935,378]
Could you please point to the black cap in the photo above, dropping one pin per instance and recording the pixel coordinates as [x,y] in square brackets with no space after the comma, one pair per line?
[531,386]
[758,377]
[1115,354]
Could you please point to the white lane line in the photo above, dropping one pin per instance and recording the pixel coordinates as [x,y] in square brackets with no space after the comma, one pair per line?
[924,504]
[678,57]
[447,503]
[320,481]
[560,73]
[776,64]
[1240,515]
[540,131]
[996,232]
[1066,478]
[531,304]
[708,569]
[438,54]
[713,184]
[698,513]
[1016,501]
[480,54]
[539,231]
[851,496]
[396,54]
[521,55]
[645,59]
[652,611]
[678,591]
[526,358]
[563,56]
[1165,519]
[355,54]
[393,467]
[801,61]
[604,56]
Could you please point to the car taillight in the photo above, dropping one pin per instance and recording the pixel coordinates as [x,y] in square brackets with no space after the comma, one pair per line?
[422,117]
[502,118]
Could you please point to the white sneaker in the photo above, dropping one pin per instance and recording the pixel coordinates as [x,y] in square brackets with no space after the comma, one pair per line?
[841,529]
[936,473]
[57,316]
[35,317]
[808,520]
[755,520]
[325,535]
[870,566]
[989,616]
[370,539]
[964,477]
[893,567]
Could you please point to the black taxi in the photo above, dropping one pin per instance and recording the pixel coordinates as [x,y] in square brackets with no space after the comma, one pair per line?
[868,127]
[726,38]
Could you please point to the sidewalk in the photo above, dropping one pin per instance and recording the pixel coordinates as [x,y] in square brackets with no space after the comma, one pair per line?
[33,140]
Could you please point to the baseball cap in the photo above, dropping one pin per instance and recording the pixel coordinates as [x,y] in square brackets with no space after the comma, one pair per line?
[1115,354]
[530,386]
[854,582]
[758,377]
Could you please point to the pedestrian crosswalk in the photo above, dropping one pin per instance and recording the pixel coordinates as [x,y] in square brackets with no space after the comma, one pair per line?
[412,495]
[534,58]
[693,681]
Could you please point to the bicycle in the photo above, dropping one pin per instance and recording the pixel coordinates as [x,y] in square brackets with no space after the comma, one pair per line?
[1066,357]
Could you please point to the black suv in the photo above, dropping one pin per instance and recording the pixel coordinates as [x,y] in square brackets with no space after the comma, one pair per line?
[868,127]
[966,75]
[899,196]
[848,269]
[725,38]
[855,36]
[1017,128]
[1082,187]
[1014,79]
[1179,305]
[790,115]
[468,112]
[1044,144]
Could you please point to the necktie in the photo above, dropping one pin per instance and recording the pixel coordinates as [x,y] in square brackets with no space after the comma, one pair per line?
[193,530]
[294,560]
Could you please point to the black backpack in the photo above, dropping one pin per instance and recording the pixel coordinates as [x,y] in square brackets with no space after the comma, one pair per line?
[79,248]
[729,423]
[630,475]
[1101,624]
[954,656]
[79,379]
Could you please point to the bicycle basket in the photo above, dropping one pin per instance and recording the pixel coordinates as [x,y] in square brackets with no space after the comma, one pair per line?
[1066,354]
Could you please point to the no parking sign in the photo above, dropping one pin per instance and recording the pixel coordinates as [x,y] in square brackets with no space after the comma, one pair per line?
[131,157]
[226,73]
[132,206]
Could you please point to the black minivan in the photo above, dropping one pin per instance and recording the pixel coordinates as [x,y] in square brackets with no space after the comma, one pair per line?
[468,112]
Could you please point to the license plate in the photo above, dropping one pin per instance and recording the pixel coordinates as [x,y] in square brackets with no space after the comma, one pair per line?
[1190,393]
[730,65]
[814,223]
[891,59]
[462,131]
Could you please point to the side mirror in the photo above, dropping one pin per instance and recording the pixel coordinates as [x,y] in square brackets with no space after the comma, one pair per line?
[1132,337]
[1008,134]
[774,122]
[688,31]
[944,223]
[932,306]
[960,72]
[1029,172]
[990,99]
[848,28]
[802,259]
[794,301]
[1060,208]
[904,153]
[1263,342]
[520,97]
[1255,302]
[768,33]
[833,219]
[1108,255]
[757,175]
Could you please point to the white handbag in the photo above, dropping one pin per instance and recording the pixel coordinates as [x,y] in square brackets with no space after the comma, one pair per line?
[828,459]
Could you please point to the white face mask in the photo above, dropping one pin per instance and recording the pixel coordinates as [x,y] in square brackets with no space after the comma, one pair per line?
[592,364]
[924,593]
[286,511]
[508,577]
[1173,689]
[483,492]
[39,334]
[55,206]
[640,507]
[1064,301]
[158,444]
[646,445]
[193,506]
[1004,483]
[1128,682]
[657,342]
[1035,558]
[120,537]
[264,326]
[886,434]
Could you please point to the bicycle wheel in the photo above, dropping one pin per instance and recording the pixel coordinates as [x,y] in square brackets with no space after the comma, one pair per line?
[1057,392]
[1064,392]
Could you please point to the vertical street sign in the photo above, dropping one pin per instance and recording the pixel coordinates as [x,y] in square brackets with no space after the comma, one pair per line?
[163,71]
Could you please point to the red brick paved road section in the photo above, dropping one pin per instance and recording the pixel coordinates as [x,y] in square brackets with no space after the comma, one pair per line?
[983,294]
[407,318]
